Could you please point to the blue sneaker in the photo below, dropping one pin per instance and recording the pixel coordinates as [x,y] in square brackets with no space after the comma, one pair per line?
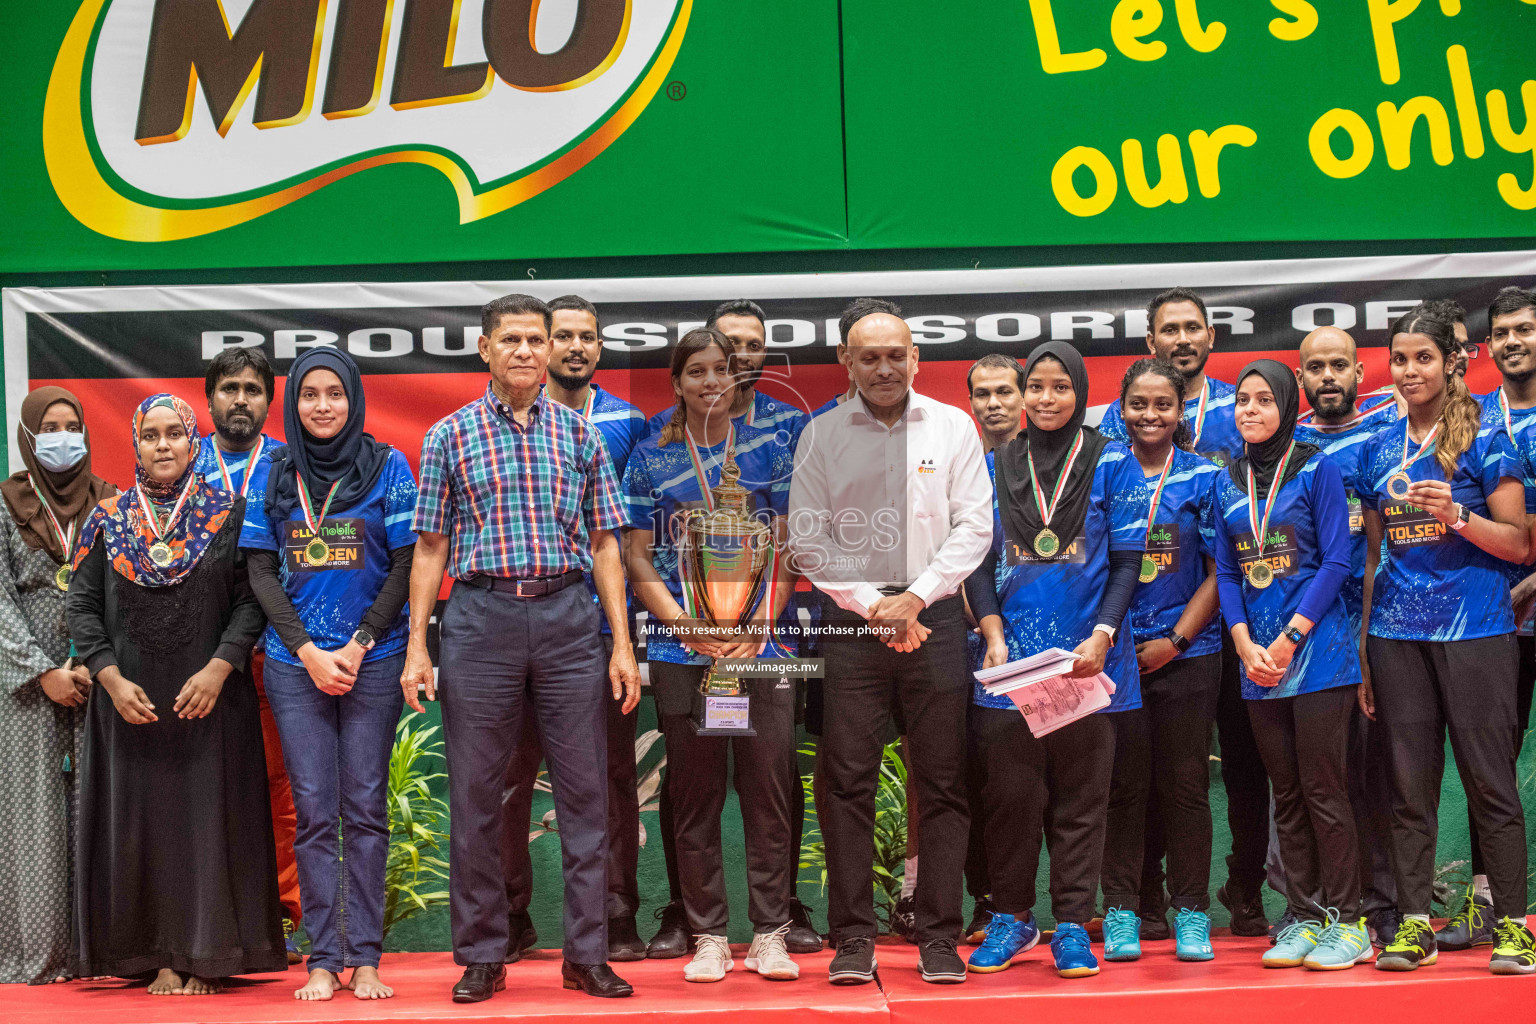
[1073,952]
[1122,934]
[1341,945]
[1294,945]
[1192,935]
[1007,936]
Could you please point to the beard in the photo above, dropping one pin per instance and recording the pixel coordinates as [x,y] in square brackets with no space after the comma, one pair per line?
[1333,405]
[1199,366]
[239,430]
[569,382]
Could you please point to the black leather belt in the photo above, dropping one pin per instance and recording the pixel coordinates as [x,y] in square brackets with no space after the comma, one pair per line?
[533,586]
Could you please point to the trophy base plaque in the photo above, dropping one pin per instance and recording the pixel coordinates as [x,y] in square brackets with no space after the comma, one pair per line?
[721,708]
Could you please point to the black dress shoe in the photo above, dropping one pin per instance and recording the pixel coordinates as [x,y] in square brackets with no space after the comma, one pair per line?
[480,982]
[595,980]
[1247,909]
[623,940]
[671,939]
[803,936]
[521,936]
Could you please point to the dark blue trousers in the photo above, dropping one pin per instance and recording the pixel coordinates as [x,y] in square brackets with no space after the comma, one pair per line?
[503,658]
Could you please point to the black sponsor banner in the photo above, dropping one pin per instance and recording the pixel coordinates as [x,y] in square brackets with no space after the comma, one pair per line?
[408,339]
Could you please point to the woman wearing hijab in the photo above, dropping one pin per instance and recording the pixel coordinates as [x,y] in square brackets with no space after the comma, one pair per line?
[330,552]
[176,876]
[44,694]
[1070,532]
[1282,556]
[1447,500]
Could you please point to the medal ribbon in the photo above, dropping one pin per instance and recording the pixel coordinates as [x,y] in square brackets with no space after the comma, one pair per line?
[309,509]
[67,540]
[1424,449]
[698,463]
[586,412]
[1157,493]
[1261,530]
[170,520]
[1205,400]
[245,485]
[1061,481]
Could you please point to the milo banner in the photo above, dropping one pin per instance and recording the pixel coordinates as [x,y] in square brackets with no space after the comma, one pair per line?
[417,343]
[166,134]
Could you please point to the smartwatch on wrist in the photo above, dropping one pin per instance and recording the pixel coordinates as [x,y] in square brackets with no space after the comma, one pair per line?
[1180,644]
[363,639]
[1463,517]
[1108,631]
[1294,635]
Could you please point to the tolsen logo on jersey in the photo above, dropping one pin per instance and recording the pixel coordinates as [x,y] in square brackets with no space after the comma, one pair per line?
[172,118]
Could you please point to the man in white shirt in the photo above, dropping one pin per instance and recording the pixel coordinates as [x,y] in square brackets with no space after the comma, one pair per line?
[889,511]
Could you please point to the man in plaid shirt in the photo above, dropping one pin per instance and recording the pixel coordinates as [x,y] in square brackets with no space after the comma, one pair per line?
[517,498]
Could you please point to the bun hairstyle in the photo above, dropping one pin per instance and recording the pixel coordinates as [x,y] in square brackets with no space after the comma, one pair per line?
[691,344]
[1460,415]
[1183,437]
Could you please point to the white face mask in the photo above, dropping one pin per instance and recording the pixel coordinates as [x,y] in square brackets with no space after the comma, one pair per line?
[59,450]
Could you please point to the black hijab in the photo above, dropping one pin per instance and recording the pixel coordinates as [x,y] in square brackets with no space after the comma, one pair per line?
[352,457]
[1021,514]
[1265,456]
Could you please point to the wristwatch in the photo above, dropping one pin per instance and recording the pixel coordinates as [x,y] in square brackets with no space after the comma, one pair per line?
[1180,644]
[1107,630]
[1463,517]
[1294,635]
[363,639]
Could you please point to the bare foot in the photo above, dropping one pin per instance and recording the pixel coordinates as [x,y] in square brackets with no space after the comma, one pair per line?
[166,983]
[196,986]
[322,984]
[365,984]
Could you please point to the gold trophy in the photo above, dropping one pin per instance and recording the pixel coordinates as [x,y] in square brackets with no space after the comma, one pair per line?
[723,553]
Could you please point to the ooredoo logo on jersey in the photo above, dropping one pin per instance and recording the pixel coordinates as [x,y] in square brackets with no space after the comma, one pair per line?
[168,119]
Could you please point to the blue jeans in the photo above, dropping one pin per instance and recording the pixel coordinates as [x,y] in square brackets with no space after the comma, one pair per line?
[337,750]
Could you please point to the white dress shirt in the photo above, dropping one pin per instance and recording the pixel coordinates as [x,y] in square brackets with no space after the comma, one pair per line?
[908,505]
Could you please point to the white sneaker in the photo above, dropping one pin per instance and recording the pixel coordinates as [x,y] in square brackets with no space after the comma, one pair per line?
[711,959]
[768,957]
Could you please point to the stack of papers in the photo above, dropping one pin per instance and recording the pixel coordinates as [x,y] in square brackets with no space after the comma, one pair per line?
[1043,692]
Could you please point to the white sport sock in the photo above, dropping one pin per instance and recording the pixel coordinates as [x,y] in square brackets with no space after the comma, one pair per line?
[909,878]
[1416,917]
[1480,887]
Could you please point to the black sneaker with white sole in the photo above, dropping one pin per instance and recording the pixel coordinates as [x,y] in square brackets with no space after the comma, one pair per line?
[855,961]
[940,963]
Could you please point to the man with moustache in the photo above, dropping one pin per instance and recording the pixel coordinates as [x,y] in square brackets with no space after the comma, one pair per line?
[520,637]
[1330,373]
[744,322]
[238,386]
[1510,407]
[891,455]
[1179,330]
[575,348]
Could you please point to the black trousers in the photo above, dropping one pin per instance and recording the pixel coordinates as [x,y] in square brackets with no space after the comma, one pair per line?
[1056,788]
[1305,742]
[866,683]
[1243,776]
[1162,754]
[503,660]
[1525,686]
[623,812]
[1370,795]
[764,772]
[978,881]
[1425,689]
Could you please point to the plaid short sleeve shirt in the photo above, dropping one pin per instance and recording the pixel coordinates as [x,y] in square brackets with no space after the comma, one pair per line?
[516,501]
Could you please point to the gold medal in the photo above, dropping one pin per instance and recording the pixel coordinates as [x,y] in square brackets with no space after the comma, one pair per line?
[1260,575]
[317,552]
[61,578]
[1148,569]
[1047,544]
[1398,483]
[1397,486]
[160,553]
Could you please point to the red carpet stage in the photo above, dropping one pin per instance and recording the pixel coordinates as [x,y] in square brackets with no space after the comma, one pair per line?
[1156,990]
